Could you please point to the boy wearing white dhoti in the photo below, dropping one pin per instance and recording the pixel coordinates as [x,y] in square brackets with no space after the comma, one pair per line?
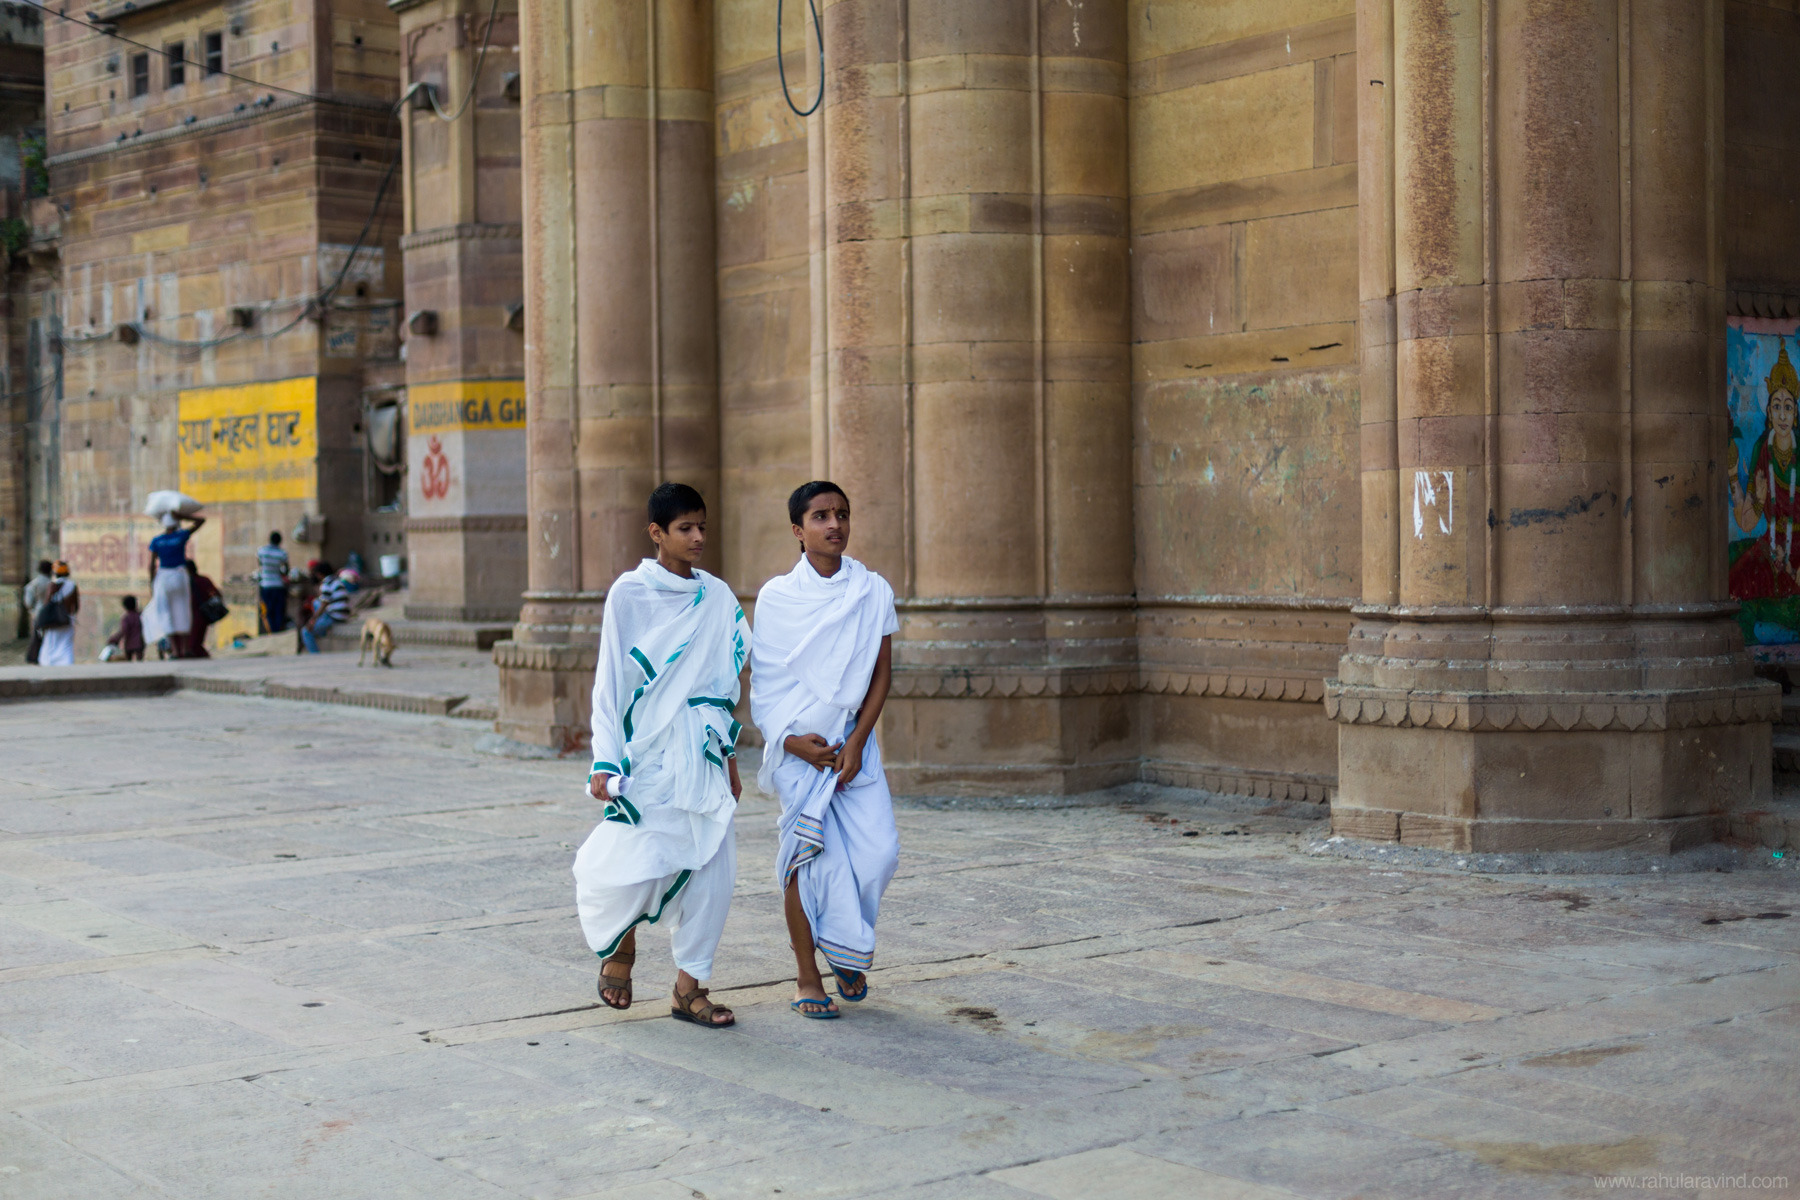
[819,676]
[672,644]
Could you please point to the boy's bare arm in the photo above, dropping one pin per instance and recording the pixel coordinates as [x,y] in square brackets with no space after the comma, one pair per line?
[850,756]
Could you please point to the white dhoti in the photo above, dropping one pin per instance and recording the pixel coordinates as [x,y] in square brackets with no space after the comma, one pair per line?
[671,649]
[695,902]
[58,649]
[171,608]
[817,642]
[841,847]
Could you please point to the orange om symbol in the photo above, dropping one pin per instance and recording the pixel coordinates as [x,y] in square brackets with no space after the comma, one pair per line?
[436,483]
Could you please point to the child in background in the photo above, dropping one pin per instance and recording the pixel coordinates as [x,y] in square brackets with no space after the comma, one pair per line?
[130,636]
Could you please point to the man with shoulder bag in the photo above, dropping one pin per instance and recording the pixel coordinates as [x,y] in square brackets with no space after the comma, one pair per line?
[34,594]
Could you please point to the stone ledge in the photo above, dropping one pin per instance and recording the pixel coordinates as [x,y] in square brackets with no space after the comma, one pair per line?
[544,656]
[516,523]
[933,683]
[1248,687]
[54,687]
[1238,781]
[1489,835]
[1627,712]
[461,233]
[402,702]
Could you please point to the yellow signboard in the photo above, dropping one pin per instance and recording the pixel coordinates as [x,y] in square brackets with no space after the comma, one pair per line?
[257,441]
[466,404]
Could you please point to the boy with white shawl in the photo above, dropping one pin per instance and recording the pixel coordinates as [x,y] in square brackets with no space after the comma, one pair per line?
[672,643]
[819,677]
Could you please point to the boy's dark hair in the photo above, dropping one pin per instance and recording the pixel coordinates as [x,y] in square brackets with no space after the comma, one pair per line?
[672,501]
[128,603]
[804,494]
[45,566]
[321,568]
[275,537]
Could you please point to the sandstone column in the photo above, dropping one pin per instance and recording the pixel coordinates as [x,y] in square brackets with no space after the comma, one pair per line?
[621,381]
[971,375]
[1544,658]
[465,376]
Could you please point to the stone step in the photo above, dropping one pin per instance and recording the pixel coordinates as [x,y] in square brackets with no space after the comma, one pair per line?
[1790,713]
[1787,750]
[471,634]
[1776,827]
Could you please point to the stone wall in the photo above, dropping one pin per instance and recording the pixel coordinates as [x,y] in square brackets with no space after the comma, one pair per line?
[1244,191]
[202,198]
[765,297]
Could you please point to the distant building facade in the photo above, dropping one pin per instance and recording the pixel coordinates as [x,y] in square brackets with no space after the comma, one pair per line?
[465,300]
[223,293]
[24,390]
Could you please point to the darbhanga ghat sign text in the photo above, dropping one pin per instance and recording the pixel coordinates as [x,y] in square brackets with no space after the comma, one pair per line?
[256,441]
[466,404]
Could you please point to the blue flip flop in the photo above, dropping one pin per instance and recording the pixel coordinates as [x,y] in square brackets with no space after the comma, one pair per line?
[844,977]
[824,1014]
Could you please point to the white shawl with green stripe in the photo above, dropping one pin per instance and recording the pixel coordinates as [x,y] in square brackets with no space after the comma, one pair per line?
[671,649]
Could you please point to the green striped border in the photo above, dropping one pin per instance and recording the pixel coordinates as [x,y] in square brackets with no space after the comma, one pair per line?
[652,918]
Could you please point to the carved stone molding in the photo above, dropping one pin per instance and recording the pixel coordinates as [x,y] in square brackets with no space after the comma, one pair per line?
[475,524]
[1549,712]
[1238,781]
[950,683]
[544,656]
[1306,690]
[460,233]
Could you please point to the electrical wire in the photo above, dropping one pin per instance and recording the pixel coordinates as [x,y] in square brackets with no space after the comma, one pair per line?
[474,76]
[322,298]
[112,33]
[317,302]
[781,64]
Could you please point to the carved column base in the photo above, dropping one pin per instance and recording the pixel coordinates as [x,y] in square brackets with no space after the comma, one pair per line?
[1011,698]
[1541,768]
[547,671]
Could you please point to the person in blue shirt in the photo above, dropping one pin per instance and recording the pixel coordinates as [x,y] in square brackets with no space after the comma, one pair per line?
[171,613]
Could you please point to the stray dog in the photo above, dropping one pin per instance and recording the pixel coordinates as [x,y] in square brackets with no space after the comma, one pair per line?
[376,635]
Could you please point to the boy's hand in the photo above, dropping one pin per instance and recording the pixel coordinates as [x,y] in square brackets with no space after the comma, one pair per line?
[737,785]
[813,750]
[597,786]
[849,761]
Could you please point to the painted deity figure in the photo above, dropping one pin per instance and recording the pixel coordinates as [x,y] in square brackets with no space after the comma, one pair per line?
[1772,494]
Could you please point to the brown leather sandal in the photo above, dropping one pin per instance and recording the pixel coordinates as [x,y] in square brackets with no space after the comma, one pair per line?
[617,983]
[696,1008]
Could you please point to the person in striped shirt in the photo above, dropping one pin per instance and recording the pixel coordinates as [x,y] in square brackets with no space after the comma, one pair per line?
[271,582]
[331,608]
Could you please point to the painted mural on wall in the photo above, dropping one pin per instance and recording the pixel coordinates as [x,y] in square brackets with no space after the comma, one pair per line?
[1764,399]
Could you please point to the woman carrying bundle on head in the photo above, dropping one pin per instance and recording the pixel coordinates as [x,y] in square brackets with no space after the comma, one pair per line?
[171,612]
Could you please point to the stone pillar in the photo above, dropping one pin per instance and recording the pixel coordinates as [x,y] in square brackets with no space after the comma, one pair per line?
[1544,659]
[463,249]
[971,375]
[620,367]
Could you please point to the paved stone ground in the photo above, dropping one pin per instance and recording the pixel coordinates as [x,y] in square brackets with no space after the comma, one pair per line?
[432,679]
[252,948]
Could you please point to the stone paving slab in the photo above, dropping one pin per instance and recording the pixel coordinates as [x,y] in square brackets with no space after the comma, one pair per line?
[424,679]
[287,949]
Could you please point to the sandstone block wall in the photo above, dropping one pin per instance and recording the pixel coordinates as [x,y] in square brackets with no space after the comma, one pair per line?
[184,204]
